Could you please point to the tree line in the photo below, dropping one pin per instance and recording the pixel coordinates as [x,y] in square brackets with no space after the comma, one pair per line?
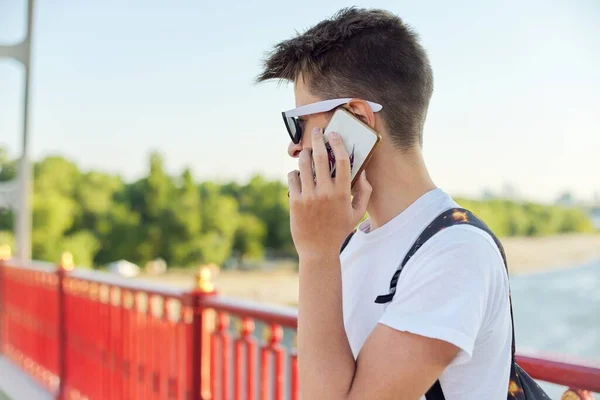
[100,218]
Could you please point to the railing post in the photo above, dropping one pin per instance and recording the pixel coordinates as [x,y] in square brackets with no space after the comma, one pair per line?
[201,325]
[65,265]
[5,255]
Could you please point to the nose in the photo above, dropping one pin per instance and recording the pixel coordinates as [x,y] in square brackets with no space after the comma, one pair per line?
[294,149]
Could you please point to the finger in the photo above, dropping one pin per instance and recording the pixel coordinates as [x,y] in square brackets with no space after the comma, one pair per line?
[320,158]
[361,194]
[342,161]
[306,173]
[294,184]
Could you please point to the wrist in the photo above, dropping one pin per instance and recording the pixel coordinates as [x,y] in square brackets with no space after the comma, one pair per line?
[319,258]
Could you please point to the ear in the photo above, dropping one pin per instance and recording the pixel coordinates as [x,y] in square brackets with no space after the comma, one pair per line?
[363,111]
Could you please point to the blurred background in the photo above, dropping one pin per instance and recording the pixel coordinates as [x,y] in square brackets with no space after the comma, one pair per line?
[153,152]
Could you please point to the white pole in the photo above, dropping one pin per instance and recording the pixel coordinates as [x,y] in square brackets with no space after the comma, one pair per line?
[23,207]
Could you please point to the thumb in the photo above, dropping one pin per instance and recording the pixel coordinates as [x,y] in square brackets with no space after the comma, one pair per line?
[361,194]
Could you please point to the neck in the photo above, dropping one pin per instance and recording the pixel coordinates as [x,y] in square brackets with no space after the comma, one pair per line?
[398,180]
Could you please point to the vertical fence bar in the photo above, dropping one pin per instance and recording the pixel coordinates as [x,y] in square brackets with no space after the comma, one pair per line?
[65,265]
[273,354]
[245,350]
[3,312]
[5,255]
[2,305]
[163,350]
[279,361]
[294,387]
[199,322]
[126,303]
[142,345]
[170,351]
[94,341]
[136,354]
[215,363]
[238,368]
[105,340]
[188,367]
[224,339]
[174,322]
[251,354]
[265,367]
[119,338]
[153,344]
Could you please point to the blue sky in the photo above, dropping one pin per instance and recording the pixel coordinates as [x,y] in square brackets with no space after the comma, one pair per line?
[517,88]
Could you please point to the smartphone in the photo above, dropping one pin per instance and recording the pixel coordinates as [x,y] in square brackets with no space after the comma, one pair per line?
[359,139]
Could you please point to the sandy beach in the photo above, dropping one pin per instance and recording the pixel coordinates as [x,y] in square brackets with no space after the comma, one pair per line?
[527,255]
[280,286]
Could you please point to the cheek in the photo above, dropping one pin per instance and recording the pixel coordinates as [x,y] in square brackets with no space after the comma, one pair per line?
[307,133]
[320,121]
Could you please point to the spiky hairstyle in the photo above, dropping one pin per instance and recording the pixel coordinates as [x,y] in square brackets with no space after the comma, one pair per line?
[364,53]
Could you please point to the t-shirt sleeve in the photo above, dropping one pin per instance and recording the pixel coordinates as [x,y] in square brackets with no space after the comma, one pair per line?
[444,290]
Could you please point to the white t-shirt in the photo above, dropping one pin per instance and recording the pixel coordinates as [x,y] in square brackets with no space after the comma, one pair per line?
[455,288]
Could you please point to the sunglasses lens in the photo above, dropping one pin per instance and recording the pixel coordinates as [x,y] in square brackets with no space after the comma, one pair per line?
[297,131]
[293,128]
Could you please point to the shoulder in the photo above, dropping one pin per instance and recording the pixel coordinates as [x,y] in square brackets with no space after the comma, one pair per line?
[465,243]
[445,290]
[462,261]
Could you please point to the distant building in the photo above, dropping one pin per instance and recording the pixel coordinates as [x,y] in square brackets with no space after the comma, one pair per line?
[510,192]
[566,199]
[488,195]
[157,266]
[124,268]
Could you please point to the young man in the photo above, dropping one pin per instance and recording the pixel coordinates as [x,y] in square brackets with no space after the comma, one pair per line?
[449,319]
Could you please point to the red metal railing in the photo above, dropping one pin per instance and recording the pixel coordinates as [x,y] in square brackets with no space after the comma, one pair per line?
[30,321]
[90,335]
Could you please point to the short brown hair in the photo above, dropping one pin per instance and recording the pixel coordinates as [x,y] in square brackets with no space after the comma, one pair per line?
[368,54]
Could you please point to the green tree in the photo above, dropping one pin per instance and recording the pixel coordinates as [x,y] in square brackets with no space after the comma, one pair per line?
[575,220]
[55,175]
[8,172]
[269,202]
[8,238]
[249,238]
[120,233]
[8,166]
[53,215]
[82,245]
[54,207]
[95,194]
[220,219]
[184,219]
[151,198]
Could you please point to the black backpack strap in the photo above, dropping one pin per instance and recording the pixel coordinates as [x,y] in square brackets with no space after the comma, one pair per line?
[435,392]
[451,217]
[347,240]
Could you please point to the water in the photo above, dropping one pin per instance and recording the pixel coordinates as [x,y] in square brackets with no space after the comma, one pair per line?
[558,312]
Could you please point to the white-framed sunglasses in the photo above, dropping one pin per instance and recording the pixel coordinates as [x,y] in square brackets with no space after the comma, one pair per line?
[294,124]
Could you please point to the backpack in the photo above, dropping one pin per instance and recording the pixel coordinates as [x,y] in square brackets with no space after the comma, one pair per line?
[521,386]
